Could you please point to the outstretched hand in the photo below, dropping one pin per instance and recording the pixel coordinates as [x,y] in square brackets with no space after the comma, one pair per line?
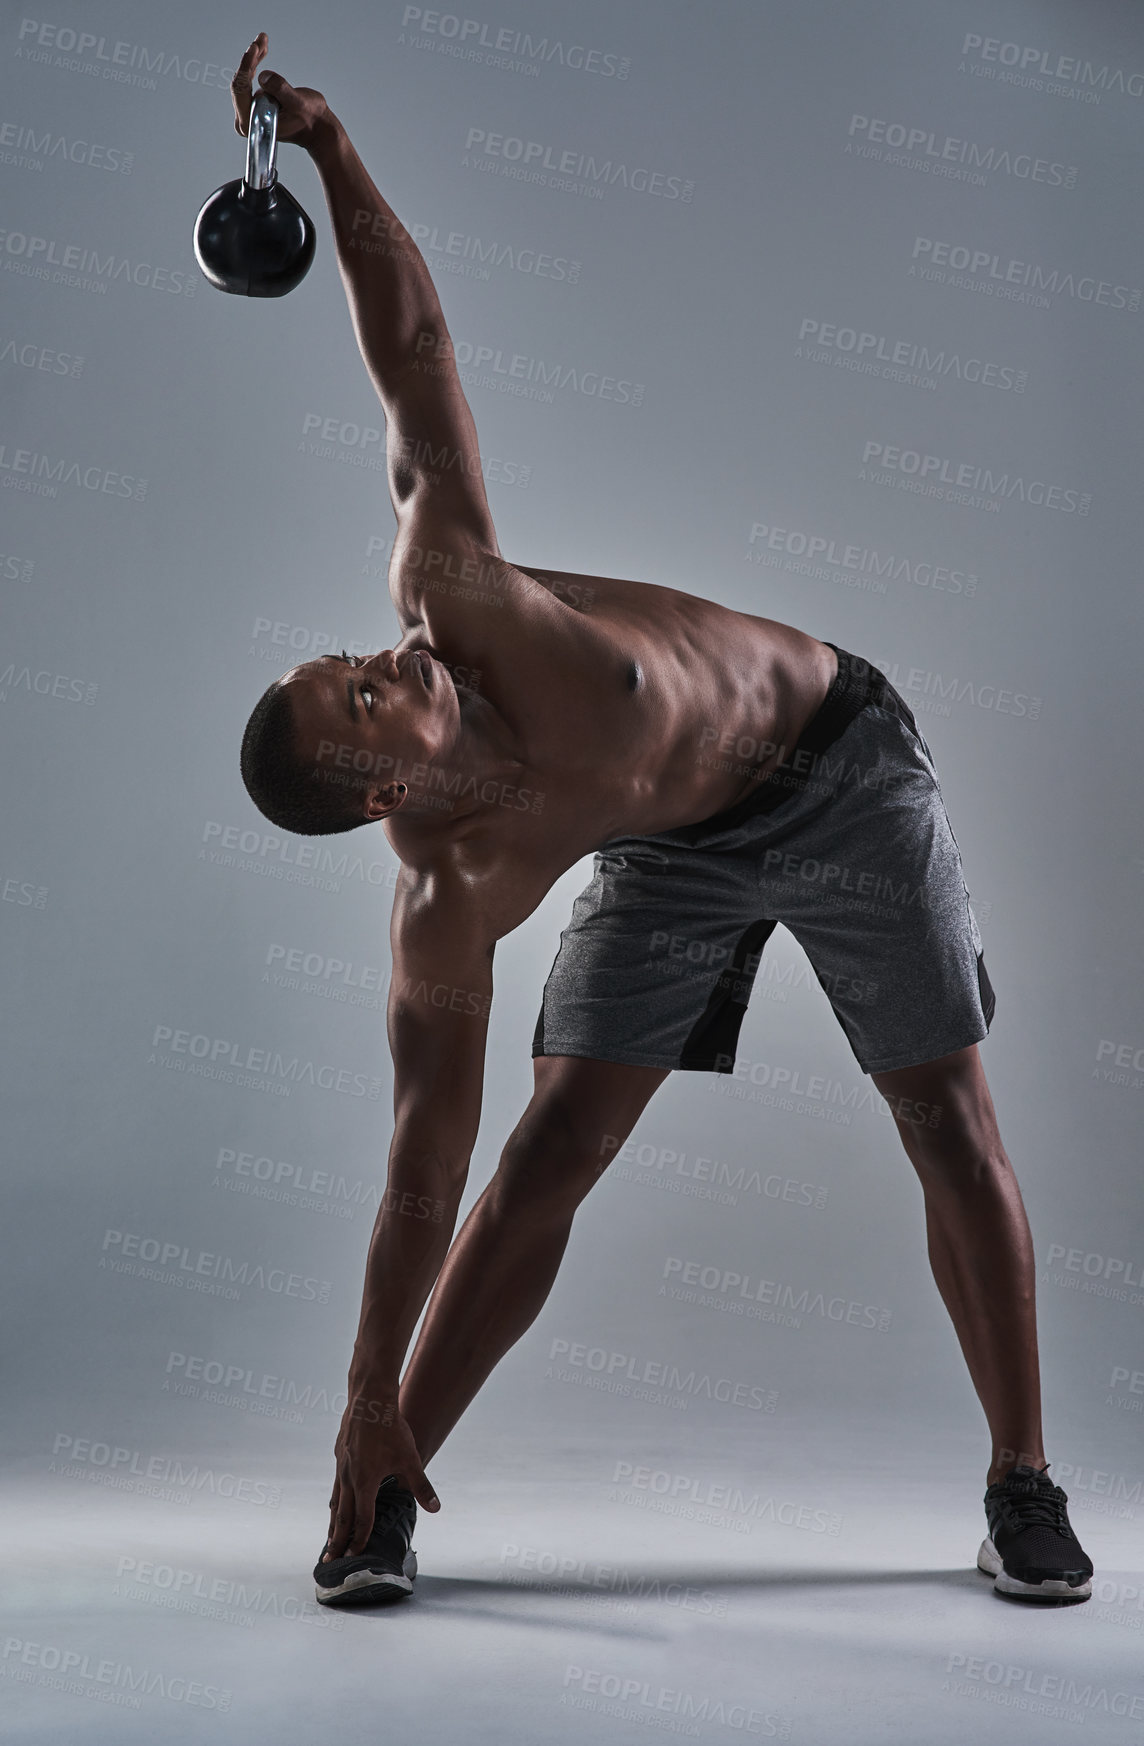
[300,107]
[373,1441]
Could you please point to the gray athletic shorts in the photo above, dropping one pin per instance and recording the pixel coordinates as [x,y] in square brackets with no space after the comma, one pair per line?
[847,844]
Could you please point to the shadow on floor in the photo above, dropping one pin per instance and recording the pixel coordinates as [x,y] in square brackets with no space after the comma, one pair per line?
[550,1604]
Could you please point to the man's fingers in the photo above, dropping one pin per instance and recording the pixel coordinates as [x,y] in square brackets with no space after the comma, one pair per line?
[341,1513]
[274,85]
[341,1527]
[424,1493]
[366,1503]
[241,90]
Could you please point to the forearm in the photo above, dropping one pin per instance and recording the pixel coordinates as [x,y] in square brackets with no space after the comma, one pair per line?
[389,288]
[411,1238]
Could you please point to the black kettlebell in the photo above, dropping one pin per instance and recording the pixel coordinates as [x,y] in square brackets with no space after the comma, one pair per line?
[252,237]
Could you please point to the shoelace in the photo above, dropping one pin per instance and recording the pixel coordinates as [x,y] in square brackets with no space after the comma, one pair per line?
[1042,1506]
[391,1504]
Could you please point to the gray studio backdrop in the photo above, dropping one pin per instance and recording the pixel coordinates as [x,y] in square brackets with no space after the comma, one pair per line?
[828,313]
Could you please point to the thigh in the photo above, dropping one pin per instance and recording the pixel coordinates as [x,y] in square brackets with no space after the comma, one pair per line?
[655,965]
[580,1114]
[592,1106]
[943,1108]
[871,885]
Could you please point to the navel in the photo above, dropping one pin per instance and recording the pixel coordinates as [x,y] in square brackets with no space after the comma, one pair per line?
[635,676]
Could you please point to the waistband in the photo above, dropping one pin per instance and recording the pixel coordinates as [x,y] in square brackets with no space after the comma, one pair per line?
[856,684]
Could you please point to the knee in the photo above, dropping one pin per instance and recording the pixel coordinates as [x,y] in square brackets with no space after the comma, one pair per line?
[552,1157]
[960,1150]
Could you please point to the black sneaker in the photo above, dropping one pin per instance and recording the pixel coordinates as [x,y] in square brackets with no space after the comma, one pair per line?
[384,1572]
[1030,1548]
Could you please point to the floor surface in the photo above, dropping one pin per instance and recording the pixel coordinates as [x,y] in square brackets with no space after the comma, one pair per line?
[831,1600]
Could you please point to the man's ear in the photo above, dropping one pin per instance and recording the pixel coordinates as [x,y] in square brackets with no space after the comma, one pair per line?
[382,802]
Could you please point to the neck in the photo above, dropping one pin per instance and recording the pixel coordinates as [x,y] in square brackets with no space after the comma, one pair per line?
[484,750]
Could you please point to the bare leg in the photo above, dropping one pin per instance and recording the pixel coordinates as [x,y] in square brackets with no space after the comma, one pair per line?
[501,1266]
[980,1247]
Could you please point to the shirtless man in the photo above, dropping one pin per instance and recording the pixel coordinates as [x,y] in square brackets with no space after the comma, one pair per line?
[727,772]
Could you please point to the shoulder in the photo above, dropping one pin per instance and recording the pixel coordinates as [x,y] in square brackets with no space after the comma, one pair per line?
[458,880]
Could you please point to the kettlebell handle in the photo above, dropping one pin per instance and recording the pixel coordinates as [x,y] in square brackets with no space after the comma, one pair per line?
[251,237]
[262,143]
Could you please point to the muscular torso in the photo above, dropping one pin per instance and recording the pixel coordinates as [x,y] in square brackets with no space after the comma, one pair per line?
[634,709]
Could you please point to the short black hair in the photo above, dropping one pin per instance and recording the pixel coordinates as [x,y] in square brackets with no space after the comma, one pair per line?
[292,794]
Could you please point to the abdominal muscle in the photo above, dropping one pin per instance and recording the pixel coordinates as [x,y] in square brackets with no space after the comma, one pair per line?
[717,723]
[751,754]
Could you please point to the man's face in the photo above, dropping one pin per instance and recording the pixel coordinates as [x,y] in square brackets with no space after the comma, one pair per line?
[374,717]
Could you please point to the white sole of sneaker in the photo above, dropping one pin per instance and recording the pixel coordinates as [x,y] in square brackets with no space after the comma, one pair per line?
[371,1585]
[989,1560]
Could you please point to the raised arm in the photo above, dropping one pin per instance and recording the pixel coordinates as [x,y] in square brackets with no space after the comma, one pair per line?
[434,462]
[431,439]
